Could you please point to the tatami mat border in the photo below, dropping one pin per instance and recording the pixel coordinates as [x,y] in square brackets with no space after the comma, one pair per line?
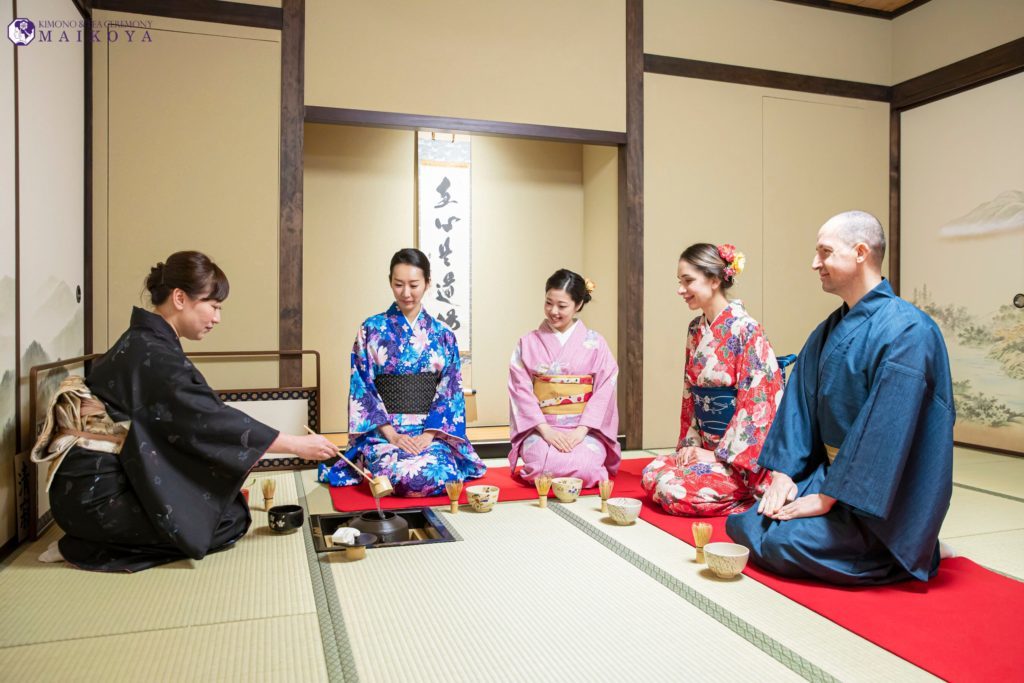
[754,636]
[341,664]
[440,518]
[991,493]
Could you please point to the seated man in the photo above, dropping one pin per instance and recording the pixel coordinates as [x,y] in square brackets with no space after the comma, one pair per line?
[862,446]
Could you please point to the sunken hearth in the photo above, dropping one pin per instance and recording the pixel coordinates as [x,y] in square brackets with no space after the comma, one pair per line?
[397,528]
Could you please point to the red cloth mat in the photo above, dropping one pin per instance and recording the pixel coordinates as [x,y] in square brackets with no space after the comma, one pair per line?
[959,626]
[349,498]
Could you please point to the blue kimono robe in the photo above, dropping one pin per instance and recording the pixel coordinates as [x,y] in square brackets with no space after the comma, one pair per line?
[874,382]
[388,344]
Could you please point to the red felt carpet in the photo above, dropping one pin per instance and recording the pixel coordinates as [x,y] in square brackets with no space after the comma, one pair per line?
[960,626]
[349,498]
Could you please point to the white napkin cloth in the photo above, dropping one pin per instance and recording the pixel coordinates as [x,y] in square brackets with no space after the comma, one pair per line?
[345,535]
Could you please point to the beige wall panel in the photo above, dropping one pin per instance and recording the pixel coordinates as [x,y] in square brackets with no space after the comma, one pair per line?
[8,351]
[601,238]
[702,183]
[359,182]
[529,61]
[707,178]
[941,32]
[358,211]
[144,22]
[771,35]
[100,294]
[527,223]
[193,164]
[820,158]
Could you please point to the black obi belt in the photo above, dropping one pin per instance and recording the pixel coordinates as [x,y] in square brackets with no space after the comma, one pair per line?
[407,394]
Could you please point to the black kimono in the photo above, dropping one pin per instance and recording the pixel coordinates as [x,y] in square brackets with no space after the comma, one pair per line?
[174,490]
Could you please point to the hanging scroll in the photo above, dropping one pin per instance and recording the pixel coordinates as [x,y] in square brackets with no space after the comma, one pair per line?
[443,184]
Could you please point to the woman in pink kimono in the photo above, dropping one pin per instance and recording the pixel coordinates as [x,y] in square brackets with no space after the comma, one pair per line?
[564,418]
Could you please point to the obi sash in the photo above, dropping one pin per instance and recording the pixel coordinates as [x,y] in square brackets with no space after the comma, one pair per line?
[76,418]
[714,408]
[410,394]
[563,394]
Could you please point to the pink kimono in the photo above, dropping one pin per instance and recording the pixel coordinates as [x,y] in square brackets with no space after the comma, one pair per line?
[586,362]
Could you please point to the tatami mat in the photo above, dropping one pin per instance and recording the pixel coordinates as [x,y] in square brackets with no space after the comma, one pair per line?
[527,596]
[839,652]
[1004,476]
[263,576]
[963,455]
[278,649]
[1002,551]
[524,586]
[974,512]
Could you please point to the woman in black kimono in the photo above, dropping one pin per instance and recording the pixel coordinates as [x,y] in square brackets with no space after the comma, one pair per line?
[173,491]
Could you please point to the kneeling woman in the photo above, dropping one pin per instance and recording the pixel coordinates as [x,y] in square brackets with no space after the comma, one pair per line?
[731,388]
[564,418]
[406,411]
[147,461]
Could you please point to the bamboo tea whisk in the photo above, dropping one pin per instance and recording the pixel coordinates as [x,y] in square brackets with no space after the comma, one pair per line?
[454,489]
[543,484]
[701,536]
[269,488]
[605,489]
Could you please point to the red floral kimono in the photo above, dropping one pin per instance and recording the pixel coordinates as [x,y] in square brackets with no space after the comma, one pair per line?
[732,387]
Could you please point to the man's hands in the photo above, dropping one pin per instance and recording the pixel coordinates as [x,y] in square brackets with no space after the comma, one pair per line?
[781,491]
[806,506]
[780,502]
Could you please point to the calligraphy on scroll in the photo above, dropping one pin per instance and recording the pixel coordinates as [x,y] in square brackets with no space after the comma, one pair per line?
[444,228]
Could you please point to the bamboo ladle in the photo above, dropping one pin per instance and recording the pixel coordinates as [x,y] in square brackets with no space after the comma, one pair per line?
[379,486]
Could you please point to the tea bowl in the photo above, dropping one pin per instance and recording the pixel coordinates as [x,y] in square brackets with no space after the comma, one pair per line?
[726,560]
[482,498]
[285,518]
[567,489]
[624,511]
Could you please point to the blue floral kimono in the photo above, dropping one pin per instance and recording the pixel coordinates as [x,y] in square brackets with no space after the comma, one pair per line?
[867,418]
[388,345]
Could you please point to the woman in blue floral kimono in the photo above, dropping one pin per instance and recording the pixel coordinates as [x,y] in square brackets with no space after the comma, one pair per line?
[407,414]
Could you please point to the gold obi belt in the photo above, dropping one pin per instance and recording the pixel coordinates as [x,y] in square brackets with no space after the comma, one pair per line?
[563,394]
[76,418]
[832,452]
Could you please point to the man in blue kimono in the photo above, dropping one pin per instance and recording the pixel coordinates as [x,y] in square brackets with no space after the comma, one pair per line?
[862,446]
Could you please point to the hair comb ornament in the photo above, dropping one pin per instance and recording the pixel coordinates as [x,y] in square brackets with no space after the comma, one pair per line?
[735,261]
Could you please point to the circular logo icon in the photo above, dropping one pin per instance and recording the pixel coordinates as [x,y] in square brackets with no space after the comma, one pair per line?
[21,31]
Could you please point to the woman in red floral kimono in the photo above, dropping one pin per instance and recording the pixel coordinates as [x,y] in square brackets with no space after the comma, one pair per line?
[732,386]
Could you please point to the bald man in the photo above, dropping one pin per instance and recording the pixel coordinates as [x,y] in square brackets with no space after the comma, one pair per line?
[861,449]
